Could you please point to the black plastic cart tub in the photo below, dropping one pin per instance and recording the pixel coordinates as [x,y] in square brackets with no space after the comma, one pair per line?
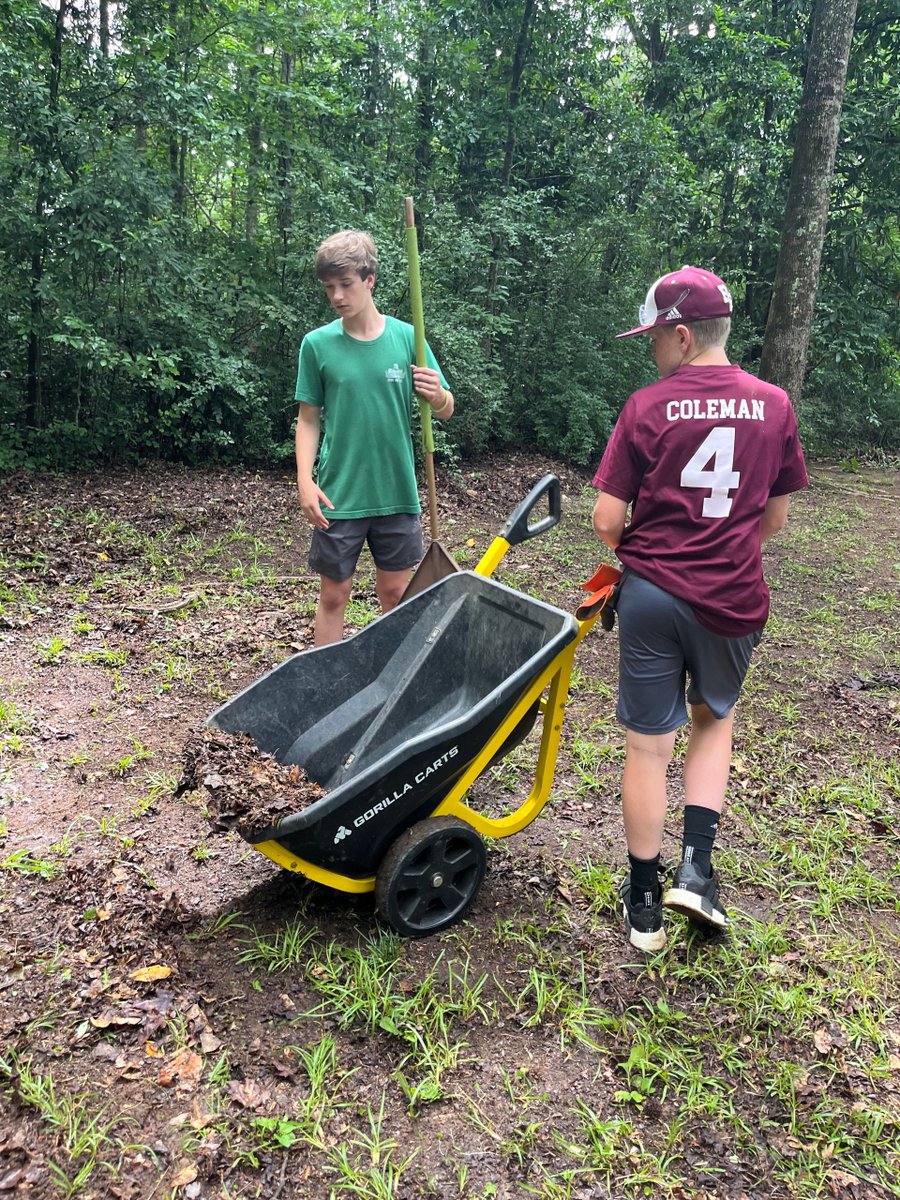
[388,720]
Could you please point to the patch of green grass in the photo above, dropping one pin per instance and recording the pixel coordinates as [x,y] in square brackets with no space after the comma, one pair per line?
[267,1135]
[611,1150]
[508,773]
[15,599]
[109,532]
[82,624]
[589,683]
[369,983]
[125,765]
[593,750]
[85,1139]
[362,611]
[30,862]
[367,1164]
[881,600]
[597,884]
[559,996]
[156,784]
[256,1140]
[212,929]
[36,562]
[820,854]
[109,827]
[16,724]
[519,1086]
[216,689]
[11,744]
[104,656]
[281,951]
[171,670]
[50,650]
[520,578]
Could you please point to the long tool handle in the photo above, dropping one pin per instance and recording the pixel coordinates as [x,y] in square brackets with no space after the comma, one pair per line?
[418,316]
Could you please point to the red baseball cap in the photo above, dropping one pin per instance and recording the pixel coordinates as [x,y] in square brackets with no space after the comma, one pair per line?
[690,294]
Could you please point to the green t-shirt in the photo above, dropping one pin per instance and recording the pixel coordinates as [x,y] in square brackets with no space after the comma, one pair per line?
[365,392]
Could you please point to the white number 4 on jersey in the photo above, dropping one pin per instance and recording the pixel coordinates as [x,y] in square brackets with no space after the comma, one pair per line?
[719,479]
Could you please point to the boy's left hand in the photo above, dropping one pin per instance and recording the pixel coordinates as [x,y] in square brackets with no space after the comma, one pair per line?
[427,384]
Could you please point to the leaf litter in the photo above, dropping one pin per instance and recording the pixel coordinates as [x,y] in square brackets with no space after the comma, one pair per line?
[249,790]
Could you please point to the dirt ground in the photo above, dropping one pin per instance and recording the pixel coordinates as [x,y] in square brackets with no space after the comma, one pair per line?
[149,1049]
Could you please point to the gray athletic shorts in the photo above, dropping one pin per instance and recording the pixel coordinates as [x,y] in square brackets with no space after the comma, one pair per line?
[661,642]
[395,542]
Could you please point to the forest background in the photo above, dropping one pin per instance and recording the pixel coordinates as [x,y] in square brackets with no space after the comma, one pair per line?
[168,168]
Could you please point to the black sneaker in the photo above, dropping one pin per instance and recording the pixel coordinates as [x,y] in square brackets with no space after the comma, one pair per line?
[696,895]
[643,921]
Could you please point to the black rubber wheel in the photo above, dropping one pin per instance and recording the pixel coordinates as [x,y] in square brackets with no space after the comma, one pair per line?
[430,876]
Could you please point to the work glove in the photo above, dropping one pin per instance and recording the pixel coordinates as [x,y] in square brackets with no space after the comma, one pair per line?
[603,588]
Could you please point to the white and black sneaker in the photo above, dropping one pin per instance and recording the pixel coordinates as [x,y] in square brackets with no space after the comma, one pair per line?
[696,895]
[643,921]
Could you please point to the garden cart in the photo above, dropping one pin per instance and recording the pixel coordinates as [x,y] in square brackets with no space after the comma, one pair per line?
[398,722]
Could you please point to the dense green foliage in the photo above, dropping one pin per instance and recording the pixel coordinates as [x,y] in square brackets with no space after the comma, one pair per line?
[166,171]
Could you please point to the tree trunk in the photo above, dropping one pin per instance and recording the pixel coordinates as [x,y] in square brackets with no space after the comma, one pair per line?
[133,25]
[803,233]
[254,156]
[424,109]
[254,139]
[104,28]
[515,88]
[35,343]
[652,42]
[285,160]
[34,366]
[373,72]
[756,292]
[172,64]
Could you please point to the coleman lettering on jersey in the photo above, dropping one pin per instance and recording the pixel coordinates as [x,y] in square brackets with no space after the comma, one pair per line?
[716,409]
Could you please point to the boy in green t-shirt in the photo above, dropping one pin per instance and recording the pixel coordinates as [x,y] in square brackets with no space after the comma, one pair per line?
[357,373]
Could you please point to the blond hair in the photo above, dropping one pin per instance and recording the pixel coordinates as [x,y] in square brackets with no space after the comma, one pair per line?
[713,332]
[346,253]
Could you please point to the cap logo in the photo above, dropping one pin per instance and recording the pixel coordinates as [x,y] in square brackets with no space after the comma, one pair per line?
[673,314]
[726,295]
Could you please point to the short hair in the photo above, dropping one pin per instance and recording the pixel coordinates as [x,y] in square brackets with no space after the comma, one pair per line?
[713,332]
[345,253]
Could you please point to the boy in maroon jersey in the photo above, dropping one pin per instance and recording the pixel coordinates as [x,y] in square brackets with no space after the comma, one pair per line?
[707,457]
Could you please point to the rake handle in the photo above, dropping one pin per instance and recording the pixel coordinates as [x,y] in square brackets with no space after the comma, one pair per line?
[418,321]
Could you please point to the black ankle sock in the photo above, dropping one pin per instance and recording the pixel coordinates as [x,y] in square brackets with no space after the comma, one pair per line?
[700,825]
[644,878]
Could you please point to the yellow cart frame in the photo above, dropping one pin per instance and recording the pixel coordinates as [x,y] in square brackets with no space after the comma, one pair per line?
[554,680]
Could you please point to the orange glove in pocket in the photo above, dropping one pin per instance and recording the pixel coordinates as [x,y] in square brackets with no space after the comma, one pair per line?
[603,589]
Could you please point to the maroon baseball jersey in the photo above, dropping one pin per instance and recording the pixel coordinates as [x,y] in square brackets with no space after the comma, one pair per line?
[700,453]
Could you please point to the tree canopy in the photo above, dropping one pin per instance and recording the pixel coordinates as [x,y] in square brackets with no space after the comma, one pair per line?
[167,170]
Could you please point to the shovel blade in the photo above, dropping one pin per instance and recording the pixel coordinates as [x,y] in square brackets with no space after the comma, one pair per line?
[435,566]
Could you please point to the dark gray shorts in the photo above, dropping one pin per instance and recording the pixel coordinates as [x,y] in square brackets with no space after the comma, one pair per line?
[661,642]
[395,542]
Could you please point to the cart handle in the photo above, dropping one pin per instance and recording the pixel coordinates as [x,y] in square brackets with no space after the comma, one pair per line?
[518,529]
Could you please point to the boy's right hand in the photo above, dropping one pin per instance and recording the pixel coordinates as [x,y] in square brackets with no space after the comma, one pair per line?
[311,499]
